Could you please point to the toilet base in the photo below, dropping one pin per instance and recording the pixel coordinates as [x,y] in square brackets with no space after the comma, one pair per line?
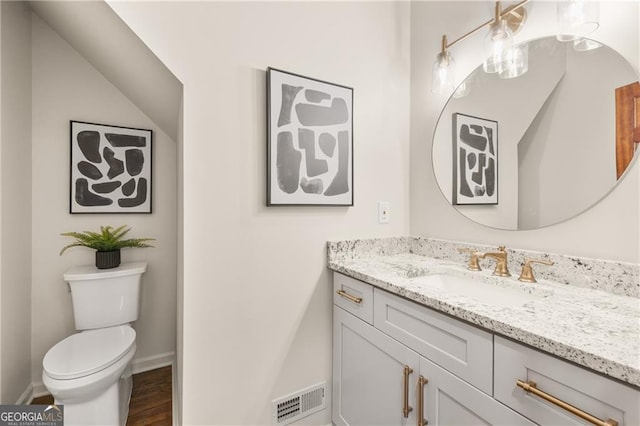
[109,408]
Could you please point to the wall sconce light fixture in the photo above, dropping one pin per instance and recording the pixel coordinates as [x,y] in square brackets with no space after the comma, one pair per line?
[443,70]
[497,43]
[576,18]
[498,47]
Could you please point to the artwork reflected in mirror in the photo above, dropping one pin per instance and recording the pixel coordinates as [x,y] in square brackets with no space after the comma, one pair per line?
[475,160]
[557,136]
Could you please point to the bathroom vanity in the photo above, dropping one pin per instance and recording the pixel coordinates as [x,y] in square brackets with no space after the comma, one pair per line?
[418,338]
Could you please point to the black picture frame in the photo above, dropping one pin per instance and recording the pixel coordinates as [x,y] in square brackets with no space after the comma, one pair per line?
[110,169]
[309,141]
[475,160]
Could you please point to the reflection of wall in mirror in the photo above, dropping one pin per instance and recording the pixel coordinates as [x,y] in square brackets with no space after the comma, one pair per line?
[560,180]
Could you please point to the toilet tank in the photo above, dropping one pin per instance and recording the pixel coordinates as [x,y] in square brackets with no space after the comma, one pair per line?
[105,297]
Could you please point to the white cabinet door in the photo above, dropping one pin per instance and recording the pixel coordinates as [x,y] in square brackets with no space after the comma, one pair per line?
[449,400]
[368,375]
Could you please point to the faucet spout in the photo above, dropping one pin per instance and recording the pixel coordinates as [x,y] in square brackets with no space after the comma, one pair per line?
[502,269]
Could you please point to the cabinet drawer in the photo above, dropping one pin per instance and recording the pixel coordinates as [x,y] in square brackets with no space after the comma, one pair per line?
[355,296]
[592,393]
[463,350]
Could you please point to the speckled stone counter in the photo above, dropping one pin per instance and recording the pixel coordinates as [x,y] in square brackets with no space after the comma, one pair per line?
[582,323]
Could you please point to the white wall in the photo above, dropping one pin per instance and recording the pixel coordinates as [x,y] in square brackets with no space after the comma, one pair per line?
[257,293]
[609,230]
[110,46]
[15,186]
[66,87]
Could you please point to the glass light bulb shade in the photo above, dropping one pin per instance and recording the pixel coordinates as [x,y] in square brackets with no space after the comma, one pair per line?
[577,18]
[516,63]
[462,90]
[584,44]
[497,42]
[443,73]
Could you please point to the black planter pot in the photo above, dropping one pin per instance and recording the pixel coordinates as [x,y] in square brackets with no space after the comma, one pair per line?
[107,259]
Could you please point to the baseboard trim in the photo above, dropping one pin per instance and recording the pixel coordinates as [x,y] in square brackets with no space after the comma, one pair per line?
[27,396]
[39,389]
[141,365]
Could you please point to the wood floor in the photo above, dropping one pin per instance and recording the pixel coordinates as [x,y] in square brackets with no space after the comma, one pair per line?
[150,398]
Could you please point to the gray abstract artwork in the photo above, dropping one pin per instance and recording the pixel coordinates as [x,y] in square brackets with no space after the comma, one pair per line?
[310,141]
[475,160]
[110,169]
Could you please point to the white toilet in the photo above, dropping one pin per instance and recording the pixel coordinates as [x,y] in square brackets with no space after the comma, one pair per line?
[90,372]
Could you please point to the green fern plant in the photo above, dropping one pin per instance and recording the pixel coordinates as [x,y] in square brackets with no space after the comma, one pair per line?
[108,239]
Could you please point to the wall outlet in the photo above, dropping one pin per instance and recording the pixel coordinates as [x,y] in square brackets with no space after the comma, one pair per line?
[384,213]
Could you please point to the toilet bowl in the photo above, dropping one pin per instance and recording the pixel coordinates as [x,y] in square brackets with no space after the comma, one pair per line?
[90,374]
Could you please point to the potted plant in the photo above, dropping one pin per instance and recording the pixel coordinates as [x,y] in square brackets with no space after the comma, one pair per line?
[107,244]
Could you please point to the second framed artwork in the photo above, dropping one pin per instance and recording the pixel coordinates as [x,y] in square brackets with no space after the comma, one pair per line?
[110,169]
[310,141]
[475,160]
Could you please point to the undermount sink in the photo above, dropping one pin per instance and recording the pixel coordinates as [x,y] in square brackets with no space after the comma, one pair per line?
[504,292]
[406,267]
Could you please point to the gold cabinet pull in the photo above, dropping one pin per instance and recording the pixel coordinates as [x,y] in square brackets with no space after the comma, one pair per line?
[531,387]
[421,382]
[405,407]
[348,296]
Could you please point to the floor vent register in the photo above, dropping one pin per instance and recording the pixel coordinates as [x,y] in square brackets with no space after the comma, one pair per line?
[300,404]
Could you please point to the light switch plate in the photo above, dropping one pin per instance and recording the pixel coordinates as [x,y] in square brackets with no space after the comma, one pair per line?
[384,213]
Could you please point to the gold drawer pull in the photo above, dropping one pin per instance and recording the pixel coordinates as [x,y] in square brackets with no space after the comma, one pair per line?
[405,408]
[354,299]
[531,387]
[421,382]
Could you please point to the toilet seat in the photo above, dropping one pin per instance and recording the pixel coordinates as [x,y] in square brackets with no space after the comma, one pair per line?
[88,352]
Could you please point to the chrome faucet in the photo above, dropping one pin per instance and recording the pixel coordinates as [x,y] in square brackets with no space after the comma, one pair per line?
[501,262]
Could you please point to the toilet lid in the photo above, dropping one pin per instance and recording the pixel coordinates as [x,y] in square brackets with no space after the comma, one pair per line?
[85,353]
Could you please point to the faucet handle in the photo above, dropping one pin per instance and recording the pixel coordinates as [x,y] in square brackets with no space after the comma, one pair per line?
[527,271]
[474,265]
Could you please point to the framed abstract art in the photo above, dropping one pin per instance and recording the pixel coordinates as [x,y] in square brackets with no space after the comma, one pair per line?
[310,141]
[110,169]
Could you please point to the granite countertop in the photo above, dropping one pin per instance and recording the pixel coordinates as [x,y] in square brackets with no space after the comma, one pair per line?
[593,328]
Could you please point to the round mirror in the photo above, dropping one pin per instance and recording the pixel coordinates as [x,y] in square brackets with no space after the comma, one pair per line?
[528,152]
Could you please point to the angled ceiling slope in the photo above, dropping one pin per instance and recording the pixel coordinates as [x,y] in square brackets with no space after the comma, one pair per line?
[107,43]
